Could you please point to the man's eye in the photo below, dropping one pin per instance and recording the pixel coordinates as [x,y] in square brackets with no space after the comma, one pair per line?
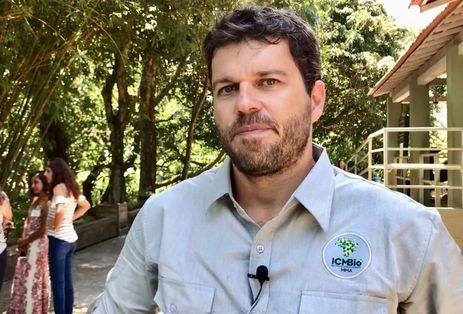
[269,82]
[227,90]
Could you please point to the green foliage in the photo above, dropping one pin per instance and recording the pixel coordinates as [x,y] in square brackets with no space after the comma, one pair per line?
[57,56]
[357,40]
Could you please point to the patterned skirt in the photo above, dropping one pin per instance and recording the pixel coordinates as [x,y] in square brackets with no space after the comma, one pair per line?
[30,291]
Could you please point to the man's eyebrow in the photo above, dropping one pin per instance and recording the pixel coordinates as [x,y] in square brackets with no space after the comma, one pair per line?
[221,81]
[271,72]
[227,79]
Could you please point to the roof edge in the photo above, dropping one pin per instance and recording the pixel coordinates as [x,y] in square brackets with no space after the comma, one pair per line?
[418,41]
[415,2]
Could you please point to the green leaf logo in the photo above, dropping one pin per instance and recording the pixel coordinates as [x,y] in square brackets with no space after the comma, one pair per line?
[348,246]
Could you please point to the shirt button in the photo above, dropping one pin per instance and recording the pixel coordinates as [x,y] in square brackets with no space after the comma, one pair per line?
[260,248]
[173,308]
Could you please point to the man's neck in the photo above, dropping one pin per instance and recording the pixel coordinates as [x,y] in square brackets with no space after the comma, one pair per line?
[264,197]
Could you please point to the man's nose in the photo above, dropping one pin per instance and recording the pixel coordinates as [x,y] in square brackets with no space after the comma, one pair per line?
[248,100]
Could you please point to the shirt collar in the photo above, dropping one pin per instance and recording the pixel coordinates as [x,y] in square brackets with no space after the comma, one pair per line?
[220,183]
[315,192]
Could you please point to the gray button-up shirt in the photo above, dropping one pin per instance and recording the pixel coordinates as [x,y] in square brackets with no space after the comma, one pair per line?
[341,244]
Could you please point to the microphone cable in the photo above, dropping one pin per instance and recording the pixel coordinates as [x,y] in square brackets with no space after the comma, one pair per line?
[262,276]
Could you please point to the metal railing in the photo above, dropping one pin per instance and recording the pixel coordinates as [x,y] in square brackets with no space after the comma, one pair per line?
[396,169]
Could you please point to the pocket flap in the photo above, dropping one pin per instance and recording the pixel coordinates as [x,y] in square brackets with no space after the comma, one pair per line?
[328,303]
[178,297]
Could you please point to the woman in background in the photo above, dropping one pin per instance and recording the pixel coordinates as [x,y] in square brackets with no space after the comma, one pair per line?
[66,206]
[30,292]
[5,216]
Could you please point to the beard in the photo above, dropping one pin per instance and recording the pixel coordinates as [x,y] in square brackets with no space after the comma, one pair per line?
[254,157]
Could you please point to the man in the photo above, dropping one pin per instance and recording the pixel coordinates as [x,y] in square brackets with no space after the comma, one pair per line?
[276,228]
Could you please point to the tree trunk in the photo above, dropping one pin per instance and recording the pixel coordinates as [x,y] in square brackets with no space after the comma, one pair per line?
[55,139]
[191,129]
[116,178]
[89,183]
[117,120]
[149,99]
[147,130]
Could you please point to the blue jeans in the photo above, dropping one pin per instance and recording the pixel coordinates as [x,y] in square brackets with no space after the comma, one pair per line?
[60,254]
[3,259]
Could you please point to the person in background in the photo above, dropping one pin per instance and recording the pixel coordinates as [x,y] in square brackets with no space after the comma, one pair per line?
[30,291]
[67,205]
[5,216]
[342,165]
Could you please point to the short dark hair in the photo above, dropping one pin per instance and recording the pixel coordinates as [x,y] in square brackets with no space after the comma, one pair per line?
[269,25]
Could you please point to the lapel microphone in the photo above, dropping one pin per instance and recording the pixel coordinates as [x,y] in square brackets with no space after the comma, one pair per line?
[262,276]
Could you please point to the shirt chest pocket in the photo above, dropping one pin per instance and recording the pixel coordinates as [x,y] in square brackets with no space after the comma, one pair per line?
[177,297]
[330,303]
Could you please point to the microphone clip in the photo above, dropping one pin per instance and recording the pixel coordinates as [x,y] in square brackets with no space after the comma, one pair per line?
[261,274]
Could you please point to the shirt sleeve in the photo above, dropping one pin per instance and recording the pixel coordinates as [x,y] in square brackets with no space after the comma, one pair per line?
[439,285]
[3,197]
[131,285]
[59,199]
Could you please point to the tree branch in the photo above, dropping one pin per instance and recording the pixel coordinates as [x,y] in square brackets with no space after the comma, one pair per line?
[191,128]
[172,82]
[178,177]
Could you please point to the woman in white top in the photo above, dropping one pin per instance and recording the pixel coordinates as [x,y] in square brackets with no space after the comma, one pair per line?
[66,206]
[5,216]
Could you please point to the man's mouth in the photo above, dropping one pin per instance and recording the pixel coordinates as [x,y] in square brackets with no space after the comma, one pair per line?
[252,129]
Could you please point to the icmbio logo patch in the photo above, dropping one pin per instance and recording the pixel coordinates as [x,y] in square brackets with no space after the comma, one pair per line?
[347,255]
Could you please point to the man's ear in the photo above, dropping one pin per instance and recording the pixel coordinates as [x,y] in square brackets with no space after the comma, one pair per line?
[317,100]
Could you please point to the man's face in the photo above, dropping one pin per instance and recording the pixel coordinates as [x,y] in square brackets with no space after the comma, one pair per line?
[262,109]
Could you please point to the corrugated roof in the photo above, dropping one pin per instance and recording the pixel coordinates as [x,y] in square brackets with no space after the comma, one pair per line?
[435,36]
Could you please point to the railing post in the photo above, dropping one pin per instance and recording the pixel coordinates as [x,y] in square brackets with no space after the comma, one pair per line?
[393,175]
[386,157]
[370,160]
[421,180]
